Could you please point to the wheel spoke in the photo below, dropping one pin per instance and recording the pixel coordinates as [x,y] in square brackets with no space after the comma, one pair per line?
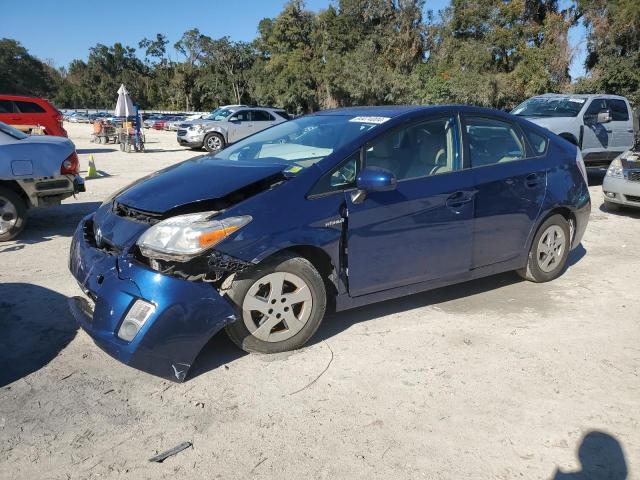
[264,330]
[253,303]
[302,294]
[276,282]
[292,323]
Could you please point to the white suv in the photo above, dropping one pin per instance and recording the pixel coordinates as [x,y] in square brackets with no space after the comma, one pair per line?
[228,125]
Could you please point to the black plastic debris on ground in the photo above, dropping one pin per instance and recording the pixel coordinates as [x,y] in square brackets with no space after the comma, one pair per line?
[161,457]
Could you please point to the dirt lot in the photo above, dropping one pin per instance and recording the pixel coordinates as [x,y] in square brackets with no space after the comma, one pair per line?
[496,378]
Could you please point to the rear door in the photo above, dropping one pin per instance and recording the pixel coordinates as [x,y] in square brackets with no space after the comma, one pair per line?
[34,115]
[422,230]
[261,120]
[621,126]
[510,182]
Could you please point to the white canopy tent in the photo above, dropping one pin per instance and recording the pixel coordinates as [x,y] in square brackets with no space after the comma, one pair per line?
[124,105]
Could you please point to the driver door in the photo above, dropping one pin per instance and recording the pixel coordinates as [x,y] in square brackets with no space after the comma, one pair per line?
[423,229]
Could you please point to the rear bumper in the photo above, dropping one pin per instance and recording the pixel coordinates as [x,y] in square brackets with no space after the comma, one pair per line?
[621,191]
[187,313]
[582,220]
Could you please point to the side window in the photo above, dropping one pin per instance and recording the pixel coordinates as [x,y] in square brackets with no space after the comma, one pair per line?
[538,142]
[619,111]
[340,178]
[492,141]
[242,116]
[261,116]
[29,107]
[595,107]
[283,114]
[418,150]
[6,106]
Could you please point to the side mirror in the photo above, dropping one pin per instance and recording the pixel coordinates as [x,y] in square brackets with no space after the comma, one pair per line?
[375,179]
[604,116]
[234,120]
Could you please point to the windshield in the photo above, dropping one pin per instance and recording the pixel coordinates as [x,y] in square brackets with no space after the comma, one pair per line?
[550,107]
[219,114]
[303,141]
[12,132]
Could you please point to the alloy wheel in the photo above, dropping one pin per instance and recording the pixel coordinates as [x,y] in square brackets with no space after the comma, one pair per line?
[214,143]
[277,306]
[551,248]
[8,215]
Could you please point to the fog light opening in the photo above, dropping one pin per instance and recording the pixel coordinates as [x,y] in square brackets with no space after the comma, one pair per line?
[610,194]
[135,319]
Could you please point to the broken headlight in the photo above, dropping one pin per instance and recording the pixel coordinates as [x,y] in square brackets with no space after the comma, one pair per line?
[182,237]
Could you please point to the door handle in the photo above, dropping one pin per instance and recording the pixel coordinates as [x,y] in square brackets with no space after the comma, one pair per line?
[630,130]
[457,199]
[532,180]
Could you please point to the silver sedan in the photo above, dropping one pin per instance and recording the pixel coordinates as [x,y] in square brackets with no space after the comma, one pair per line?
[621,185]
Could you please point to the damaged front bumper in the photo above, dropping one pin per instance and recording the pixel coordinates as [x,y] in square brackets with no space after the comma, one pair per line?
[187,313]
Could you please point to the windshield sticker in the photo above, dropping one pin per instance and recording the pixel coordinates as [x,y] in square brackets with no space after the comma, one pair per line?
[577,100]
[294,169]
[375,120]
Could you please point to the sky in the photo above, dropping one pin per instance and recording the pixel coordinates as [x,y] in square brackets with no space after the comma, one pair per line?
[63,30]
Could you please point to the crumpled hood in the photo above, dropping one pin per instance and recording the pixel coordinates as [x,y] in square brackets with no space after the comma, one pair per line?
[196,180]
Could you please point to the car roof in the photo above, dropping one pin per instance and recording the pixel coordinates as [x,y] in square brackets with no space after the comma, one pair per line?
[580,95]
[22,97]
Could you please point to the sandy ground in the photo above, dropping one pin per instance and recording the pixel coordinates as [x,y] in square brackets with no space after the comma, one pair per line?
[496,378]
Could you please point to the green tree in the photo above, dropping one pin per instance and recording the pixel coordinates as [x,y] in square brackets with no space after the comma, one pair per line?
[613,47]
[23,74]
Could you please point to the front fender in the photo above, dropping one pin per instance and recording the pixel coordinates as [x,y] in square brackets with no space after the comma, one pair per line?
[217,129]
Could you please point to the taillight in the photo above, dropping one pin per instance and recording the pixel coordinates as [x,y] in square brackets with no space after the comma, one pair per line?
[71,166]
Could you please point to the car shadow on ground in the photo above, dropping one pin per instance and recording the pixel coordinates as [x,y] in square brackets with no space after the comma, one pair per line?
[596,176]
[163,150]
[45,223]
[601,458]
[221,351]
[621,211]
[89,151]
[36,325]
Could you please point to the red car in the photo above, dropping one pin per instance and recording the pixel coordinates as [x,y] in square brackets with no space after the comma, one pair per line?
[159,124]
[31,115]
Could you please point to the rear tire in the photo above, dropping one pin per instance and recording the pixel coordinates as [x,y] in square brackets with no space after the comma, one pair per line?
[281,304]
[549,251]
[13,214]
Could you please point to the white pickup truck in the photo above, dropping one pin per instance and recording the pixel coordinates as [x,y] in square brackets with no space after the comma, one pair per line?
[601,125]
[35,171]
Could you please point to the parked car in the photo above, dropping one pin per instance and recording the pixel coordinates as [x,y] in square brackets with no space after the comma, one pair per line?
[621,184]
[228,125]
[172,122]
[31,115]
[35,171]
[344,207]
[602,125]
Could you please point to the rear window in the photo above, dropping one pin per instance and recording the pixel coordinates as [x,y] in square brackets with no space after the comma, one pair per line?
[29,107]
[262,116]
[492,141]
[6,106]
[619,111]
[283,114]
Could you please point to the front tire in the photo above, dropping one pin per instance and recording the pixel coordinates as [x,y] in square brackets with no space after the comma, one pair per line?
[13,214]
[213,142]
[549,251]
[281,303]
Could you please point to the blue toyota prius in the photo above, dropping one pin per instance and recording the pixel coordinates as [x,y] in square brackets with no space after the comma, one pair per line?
[335,210]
